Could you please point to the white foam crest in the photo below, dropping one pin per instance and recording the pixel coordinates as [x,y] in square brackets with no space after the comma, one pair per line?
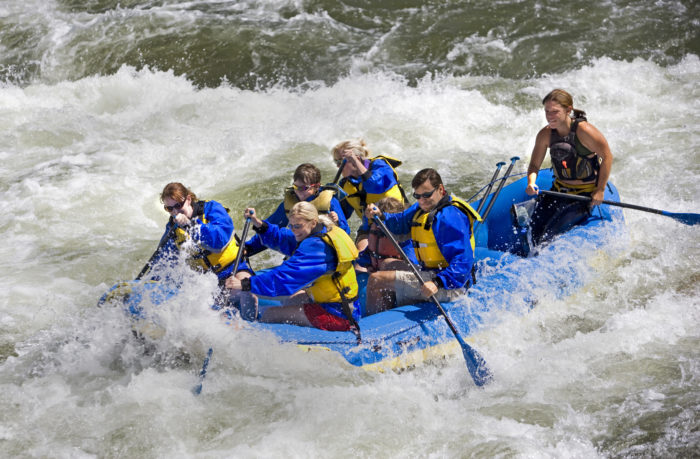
[84,162]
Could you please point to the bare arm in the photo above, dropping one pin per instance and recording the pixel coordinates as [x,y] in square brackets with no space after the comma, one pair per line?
[538,153]
[592,139]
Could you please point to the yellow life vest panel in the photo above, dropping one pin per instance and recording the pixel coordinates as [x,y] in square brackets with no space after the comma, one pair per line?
[424,242]
[340,285]
[358,198]
[201,258]
[322,201]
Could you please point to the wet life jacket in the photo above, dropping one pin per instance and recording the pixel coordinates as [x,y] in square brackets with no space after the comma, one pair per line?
[358,198]
[380,247]
[570,159]
[201,258]
[322,201]
[424,242]
[340,285]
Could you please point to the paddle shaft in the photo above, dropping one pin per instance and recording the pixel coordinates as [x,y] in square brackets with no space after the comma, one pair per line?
[498,189]
[239,255]
[488,189]
[687,218]
[163,241]
[475,363]
[340,171]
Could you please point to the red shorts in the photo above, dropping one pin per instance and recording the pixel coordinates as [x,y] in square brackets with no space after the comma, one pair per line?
[320,318]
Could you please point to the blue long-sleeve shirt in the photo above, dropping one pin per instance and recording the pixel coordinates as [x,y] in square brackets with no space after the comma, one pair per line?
[213,235]
[451,228]
[378,179]
[308,260]
[279,218]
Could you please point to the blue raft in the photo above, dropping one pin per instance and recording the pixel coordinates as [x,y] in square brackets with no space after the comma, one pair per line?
[408,335]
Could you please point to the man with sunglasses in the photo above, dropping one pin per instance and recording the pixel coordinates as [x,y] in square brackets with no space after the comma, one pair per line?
[307,187]
[441,227]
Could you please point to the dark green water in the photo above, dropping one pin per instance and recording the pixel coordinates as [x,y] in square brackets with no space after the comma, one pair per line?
[253,44]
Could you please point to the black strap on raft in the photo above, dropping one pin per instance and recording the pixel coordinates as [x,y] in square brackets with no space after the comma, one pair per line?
[345,302]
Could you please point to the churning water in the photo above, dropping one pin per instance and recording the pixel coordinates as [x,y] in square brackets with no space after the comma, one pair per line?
[103,102]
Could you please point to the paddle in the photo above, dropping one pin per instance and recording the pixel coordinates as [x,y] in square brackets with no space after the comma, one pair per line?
[475,363]
[196,390]
[498,189]
[241,249]
[340,171]
[162,242]
[488,189]
[685,218]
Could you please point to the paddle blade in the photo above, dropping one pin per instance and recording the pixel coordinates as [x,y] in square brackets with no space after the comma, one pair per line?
[196,390]
[688,219]
[476,366]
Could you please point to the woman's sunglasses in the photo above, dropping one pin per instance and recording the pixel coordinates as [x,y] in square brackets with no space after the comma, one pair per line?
[425,195]
[177,206]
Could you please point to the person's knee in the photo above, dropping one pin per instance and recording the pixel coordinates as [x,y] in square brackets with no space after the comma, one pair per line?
[381,278]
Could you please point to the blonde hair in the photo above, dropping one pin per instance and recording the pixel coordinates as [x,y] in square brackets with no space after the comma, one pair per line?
[358,147]
[308,212]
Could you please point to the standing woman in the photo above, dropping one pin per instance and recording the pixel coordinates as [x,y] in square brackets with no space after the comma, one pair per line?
[365,180]
[317,281]
[202,229]
[581,161]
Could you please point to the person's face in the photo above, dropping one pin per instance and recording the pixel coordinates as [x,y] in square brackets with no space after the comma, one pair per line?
[556,114]
[349,170]
[305,190]
[174,207]
[301,228]
[428,196]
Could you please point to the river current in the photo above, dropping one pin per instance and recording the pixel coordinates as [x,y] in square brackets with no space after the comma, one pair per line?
[103,102]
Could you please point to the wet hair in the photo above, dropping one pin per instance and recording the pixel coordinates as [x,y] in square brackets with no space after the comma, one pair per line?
[358,147]
[308,174]
[564,99]
[177,192]
[391,205]
[308,212]
[426,174]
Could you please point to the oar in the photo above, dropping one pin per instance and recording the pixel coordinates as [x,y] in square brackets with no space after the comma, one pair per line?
[686,218]
[498,189]
[196,390]
[239,255]
[340,171]
[475,363]
[162,242]
[488,190]
[339,192]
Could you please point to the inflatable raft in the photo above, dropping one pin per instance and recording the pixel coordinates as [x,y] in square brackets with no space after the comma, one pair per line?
[410,334]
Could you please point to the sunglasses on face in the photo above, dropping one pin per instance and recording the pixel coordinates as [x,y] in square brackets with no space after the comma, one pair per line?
[304,187]
[295,227]
[177,206]
[425,195]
